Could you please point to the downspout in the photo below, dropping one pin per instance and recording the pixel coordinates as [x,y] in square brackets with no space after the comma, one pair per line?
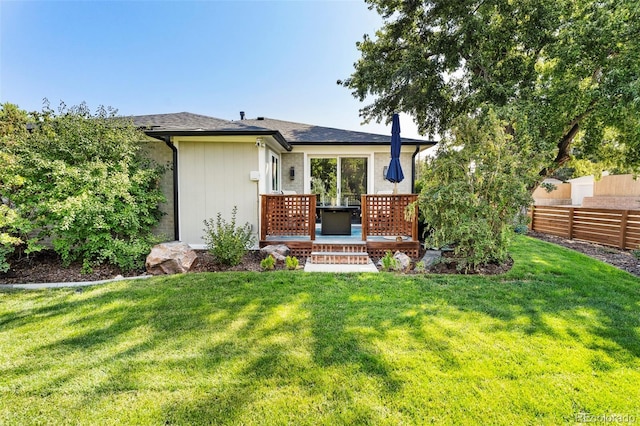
[176,222]
[413,169]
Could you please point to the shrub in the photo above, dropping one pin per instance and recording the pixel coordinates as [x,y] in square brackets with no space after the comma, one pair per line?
[389,263]
[8,240]
[521,229]
[227,242]
[6,249]
[291,262]
[473,190]
[268,263]
[81,181]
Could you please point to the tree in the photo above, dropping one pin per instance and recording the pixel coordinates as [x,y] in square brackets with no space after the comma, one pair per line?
[79,180]
[561,73]
[472,190]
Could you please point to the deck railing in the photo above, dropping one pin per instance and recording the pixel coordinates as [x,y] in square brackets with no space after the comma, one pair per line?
[385,215]
[295,215]
[288,215]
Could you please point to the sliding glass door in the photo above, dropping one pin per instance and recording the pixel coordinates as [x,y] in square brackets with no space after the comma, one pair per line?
[339,180]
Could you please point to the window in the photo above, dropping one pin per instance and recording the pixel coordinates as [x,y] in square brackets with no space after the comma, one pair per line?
[275,173]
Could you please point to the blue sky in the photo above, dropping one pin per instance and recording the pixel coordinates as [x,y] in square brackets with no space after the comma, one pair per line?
[278,59]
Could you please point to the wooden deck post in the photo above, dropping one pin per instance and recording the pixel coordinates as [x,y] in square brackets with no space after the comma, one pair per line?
[364,217]
[414,228]
[263,217]
[312,217]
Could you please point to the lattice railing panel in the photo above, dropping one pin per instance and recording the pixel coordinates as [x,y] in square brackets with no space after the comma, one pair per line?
[288,215]
[384,215]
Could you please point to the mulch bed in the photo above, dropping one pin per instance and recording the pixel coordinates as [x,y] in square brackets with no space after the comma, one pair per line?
[449,265]
[46,267]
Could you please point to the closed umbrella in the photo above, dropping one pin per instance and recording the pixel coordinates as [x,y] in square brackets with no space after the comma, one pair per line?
[394,172]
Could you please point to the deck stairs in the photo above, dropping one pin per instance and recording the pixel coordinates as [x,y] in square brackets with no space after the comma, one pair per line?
[339,257]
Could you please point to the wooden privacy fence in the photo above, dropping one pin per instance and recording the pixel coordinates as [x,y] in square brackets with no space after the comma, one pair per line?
[384,215]
[617,228]
[288,215]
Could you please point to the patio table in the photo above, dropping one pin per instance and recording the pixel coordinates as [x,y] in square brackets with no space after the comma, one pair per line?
[336,220]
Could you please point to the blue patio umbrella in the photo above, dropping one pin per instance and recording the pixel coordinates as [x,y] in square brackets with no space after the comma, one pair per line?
[394,172]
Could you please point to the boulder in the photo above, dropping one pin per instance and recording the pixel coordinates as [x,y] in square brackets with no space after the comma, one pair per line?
[278,251]
[170,258]
[404,261]
[431,257]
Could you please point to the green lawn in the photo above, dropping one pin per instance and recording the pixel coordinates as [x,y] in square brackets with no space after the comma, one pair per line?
[554,339]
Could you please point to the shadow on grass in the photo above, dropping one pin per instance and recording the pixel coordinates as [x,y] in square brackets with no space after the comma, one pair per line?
[227,336]
[213,345]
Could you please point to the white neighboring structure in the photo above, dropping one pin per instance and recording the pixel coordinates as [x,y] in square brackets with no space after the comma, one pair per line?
[580,188]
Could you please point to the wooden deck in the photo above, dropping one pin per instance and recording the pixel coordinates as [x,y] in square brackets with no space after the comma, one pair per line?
[291,220]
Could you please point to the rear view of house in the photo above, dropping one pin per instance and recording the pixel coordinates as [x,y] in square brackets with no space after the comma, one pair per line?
[218,164]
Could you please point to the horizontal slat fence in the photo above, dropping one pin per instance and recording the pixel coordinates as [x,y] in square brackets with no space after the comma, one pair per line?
[610,227]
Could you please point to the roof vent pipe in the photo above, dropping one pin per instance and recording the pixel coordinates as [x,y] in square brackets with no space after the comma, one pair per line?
[241,115]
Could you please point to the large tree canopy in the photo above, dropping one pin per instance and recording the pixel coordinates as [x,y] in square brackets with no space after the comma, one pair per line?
[564,74]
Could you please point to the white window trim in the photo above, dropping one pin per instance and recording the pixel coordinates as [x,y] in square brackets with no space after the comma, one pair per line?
[270,175]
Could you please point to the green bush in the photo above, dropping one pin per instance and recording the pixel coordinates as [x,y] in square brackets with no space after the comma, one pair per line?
[81,181]
[521,229]
[227,242]
[473,190]
[389,263]
[291,262]
[268,263]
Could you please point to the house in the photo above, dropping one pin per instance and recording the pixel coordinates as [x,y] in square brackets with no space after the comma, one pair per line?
[218,164]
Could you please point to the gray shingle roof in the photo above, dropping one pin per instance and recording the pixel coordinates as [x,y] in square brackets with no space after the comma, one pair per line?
[299,133]
[176,121]
[293,133]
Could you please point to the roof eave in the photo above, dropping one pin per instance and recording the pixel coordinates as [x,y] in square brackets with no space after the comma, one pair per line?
[362,143]
[159,134]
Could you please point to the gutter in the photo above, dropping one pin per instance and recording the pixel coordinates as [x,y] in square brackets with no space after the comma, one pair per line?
[413,168]
[176,210]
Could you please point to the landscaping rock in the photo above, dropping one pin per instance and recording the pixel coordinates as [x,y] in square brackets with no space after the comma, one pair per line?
[404,261]
[170,258]
[431,257]
[278,251]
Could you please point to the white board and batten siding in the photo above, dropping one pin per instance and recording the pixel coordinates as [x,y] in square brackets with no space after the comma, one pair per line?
[215,177]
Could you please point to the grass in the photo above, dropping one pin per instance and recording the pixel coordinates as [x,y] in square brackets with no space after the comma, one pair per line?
[555,339]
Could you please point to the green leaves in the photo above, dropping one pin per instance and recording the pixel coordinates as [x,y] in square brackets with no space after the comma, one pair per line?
[79,180]
[227,242]
[473,190]
[555,71]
